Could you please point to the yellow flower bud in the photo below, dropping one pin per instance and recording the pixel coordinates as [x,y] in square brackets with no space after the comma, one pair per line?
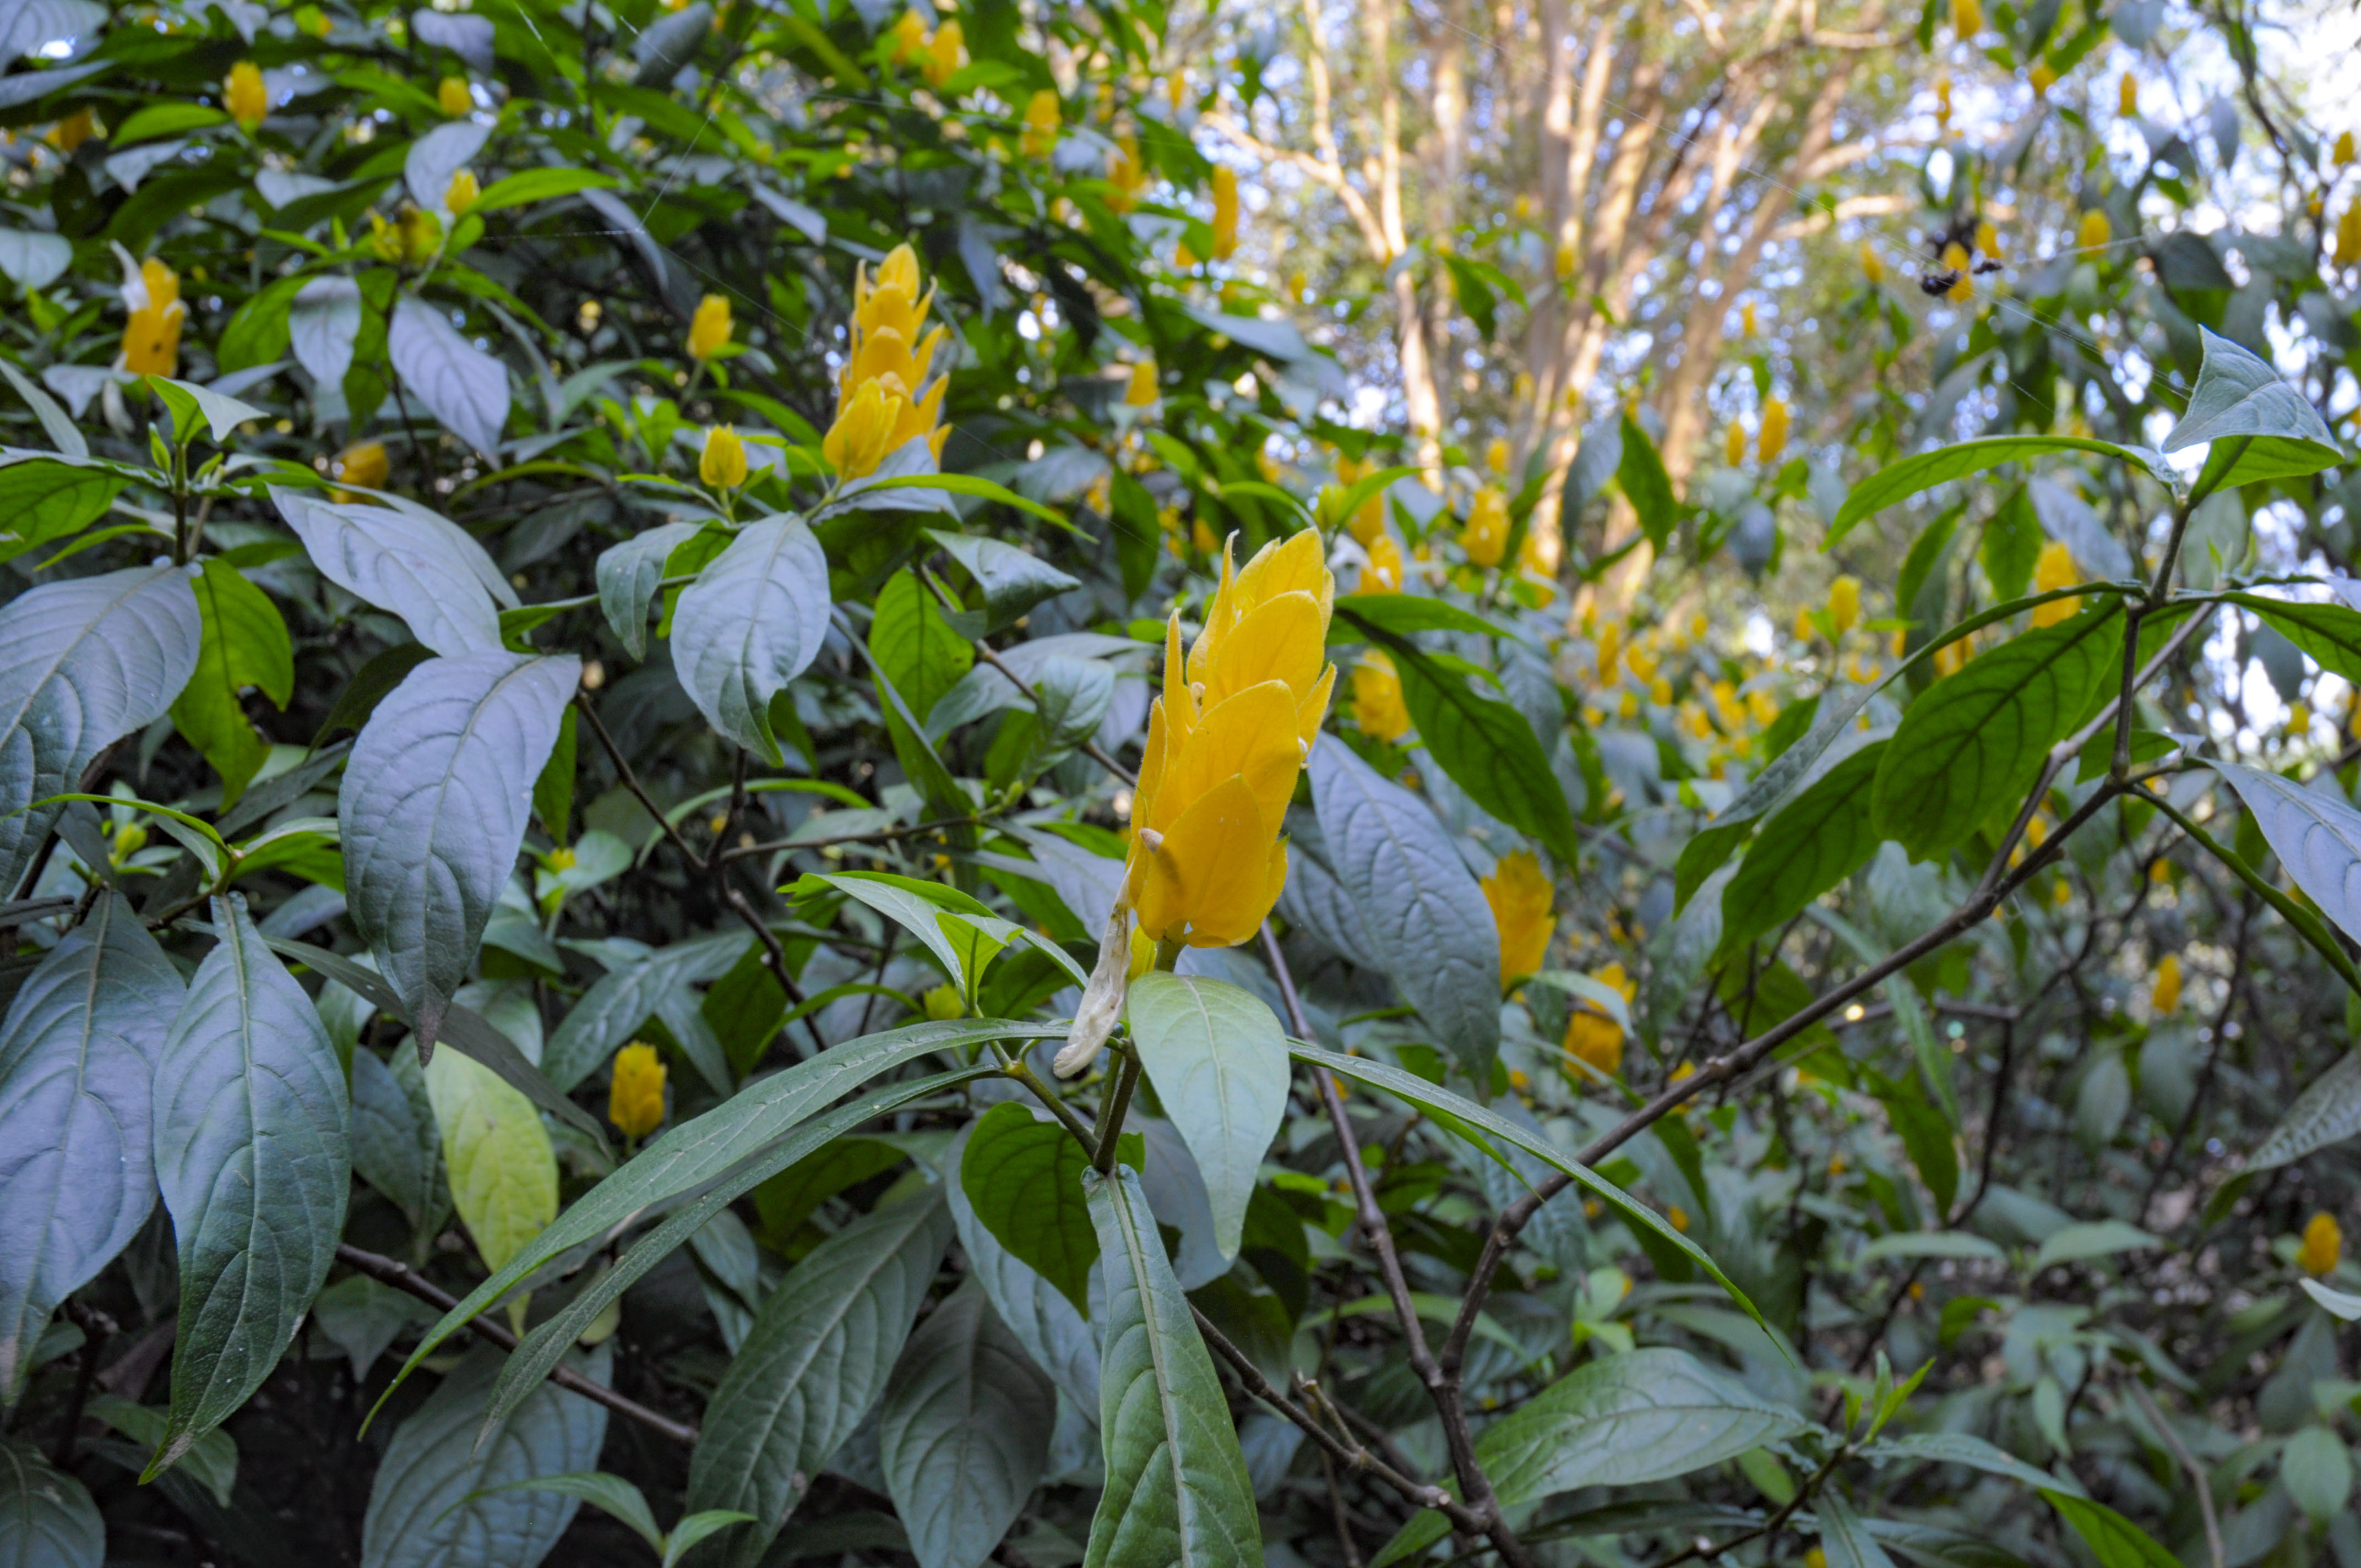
[946,54]
[1966,19]
[863,433]
[1844,603]
[1746,318]
[1610,651]
[1486,535]
[1805,629]
[909,39]
[151,338]
[1226,741]
[1734,443]
[723,462]
[244,96]
[454,96]
[1564,261]
[1771,440]
[2348,236]
[944,1002]
[1297,286]
[2094,231]
[635,1102]
[2166,998]
[2127,97]
[72,131]
[1495,454]
[2324,1244]
[708,329]
[1041,120]
[1182,256]
[1521,898]
[1225,211]
[2054,569]
[1377,706]
[461,194]
[1593,1039]
[1679,1217]
[1871,266]
[1140,390]
[2042,77]
[363,465]
[1383,574]
[2344,149]
[1988,240]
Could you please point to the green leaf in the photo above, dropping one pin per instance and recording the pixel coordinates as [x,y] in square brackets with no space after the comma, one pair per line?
[1928,1244]
[395,1146]
[2098,1238]
[628,575]
[754,620]
[253,1157]
[192,405]
[1974,741]
[2260,427]
[245,645]
[210,1461]
[1626,1420]
[1009,580]
[2327,1111]
[814,1364]
[1177,1493]
[962,934]
[2012,546]
[540,185]
[43,499]
[1816,840]
[2317,1470]
[77,1053]
[963,1433]
[1844,1538]
[2331,633]
[1960,1448]
[1647,486]
[1900,481]
[464,387]
[46,1519]
[2113,1539]
[916,647]
[423,568]
[1217,1059]
[1364,617]
[2315,834]
[609,1493]
[694,1527]
[1023,1177]
[1055,1333]
[501,1166]
[83,663]
[435,1501]
[432,811]
[153,120]
[715,1146]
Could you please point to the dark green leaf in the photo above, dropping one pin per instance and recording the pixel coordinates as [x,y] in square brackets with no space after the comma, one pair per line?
[44,498]
[1023,1177]
[1647,486]
[1816,841]
[1217,1059]
[245,645]
[1900,481]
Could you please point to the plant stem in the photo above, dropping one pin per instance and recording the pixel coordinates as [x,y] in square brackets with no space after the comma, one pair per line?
[1118,1104]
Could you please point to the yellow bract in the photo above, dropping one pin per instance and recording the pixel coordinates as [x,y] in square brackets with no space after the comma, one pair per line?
[461,194]
[1988,240]
[1871,266]
[1966,19]
[722,463]
[1383,574]
[1486,536]
[1734,443]
[1140,389]
[1520,896]
[2127,97]
[1772,439]
[1377,705]
[1495,454]
[635,1103]
[244,96]
[454,97]
[2042,77]
[879,406]
[2324,1244]
[1125,173]
[1594,1040]
[1042,119]
[2344,149]
[1224,742]
[944,1002]
[2348,236]
[2166,997]
[2094,231]
[2054,569]
[708,330]
[151,339]
[1225,211]
[1844,603]
[946,53]
[363,465]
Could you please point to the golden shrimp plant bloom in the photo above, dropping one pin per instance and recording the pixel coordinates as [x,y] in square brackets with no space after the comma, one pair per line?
[1486,535]
[244,96]
[1520,895]
[1224,742]
[635,1102]
[1378,705]
[2324,1244]
[2054,569]
[1041,120]
[708,329]
[879,407]
[151,339]
[722,463]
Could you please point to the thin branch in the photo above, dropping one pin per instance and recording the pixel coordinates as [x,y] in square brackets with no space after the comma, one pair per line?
[2197,1475]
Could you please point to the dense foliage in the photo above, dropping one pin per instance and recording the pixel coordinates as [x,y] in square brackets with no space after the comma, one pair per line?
[794,769]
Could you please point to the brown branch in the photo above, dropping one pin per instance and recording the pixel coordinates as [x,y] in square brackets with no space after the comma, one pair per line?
[402,1277]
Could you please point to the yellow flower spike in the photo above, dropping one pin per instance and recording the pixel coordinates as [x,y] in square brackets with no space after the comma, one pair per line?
[1610,637]
[2042,77]
[1772,438]
[1226,741]
[1368,524]
[1377,706]
[1383,574]
[2094,233]
[1734,443]
[863,433]
[2054,569]
[1642,662]
[1943,102]
[2348,236]
[363,465]
[1659,691]
[1966,19]
[1988,239]
[1182,256]
[635,1102]
[2298,719]
[1139,391]
[1871,266]
[945,1003]
[1844,603]
[151,338]
[1176,90]
[909,39]
[1125,173]
[946,53]
[2127,97]
[2324,1244]
[1496,456]
[1041,120]
[723,462]
[244,96]
[1746,318]
[454,97]
[1563,262]
[1297,286]
[1520,897]
[461,194]
[1225,211]
[72,131]
[708,329]
[1486,535]
[1805,629]
[2166,998]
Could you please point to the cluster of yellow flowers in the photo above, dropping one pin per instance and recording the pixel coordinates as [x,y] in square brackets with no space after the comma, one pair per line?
[939,55]
[1630,669]
[1771,439]
[1593,1039]
[1226,741]
[635,1102]
[879,405]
